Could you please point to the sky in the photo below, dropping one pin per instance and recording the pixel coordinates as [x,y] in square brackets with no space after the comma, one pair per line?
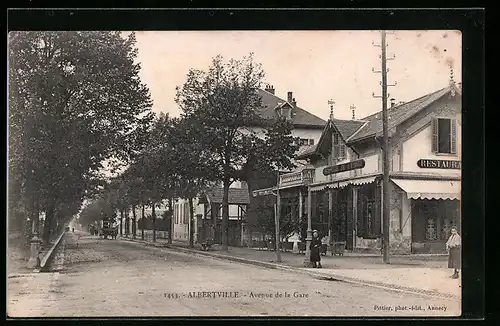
[317,66]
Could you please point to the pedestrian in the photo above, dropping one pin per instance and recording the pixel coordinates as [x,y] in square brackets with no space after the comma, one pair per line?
[315,250]
[453,247]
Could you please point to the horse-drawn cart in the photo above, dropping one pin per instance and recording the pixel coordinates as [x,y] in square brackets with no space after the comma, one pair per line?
[108,230]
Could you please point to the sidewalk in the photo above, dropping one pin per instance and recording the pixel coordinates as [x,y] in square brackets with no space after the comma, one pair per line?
[416,274]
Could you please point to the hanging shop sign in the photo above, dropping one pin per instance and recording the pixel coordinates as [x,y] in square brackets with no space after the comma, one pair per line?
[263,192]
[358,164]
[439,164]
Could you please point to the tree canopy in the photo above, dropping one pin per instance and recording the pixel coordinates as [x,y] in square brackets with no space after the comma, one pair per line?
[75,100]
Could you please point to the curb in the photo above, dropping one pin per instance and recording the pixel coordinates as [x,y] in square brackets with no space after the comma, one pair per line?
[316,275]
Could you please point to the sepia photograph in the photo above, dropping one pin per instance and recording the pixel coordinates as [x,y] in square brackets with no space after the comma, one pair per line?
[300,173]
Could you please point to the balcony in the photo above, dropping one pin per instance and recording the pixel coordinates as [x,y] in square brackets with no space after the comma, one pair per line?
[298,178]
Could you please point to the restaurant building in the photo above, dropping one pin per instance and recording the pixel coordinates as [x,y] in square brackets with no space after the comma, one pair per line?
[346,176]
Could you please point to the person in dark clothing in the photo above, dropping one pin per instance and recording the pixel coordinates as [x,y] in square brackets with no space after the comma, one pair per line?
[315,250]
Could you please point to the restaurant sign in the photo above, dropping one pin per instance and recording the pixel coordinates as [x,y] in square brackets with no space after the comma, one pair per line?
[438,164]
[358,164]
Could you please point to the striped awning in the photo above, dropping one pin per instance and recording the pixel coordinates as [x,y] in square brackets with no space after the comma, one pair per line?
[430,189]
[343,183]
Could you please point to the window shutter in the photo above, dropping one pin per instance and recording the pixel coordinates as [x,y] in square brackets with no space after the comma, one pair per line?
[453,135]
[342,151]
[435,140]
[360,211]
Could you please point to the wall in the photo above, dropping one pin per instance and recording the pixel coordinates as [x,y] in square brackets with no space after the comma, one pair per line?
[419,146]
[415,137]
[233,212]
[181,230]
[308,133]
[400,221]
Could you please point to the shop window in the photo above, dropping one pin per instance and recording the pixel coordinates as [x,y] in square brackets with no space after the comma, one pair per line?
[444,136]
[369,217]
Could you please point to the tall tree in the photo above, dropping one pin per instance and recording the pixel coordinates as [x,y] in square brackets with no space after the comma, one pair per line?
[75,100]
[225,102]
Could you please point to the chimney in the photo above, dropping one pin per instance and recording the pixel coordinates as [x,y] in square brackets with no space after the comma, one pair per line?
[294,103]
[269,88]
[393,102]
[290,97]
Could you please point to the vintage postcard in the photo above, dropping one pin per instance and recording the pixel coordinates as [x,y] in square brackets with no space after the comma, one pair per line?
[234,173]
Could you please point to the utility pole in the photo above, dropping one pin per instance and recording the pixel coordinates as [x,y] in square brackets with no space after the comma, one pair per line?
[385,155]
[277,218]
[385,150]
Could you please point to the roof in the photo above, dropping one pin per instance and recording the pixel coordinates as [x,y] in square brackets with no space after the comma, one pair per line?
[346,129]
[305,151]
[397,114]
[353,130]
[300,116]
[237,196]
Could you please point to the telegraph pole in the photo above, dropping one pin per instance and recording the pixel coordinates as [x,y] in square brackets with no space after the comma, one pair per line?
[277,218]
[385,151]
[385,155]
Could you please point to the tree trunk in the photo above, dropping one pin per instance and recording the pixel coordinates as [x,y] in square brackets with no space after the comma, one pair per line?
[134,222]
[191,223]
[127,222]
[121,222]
[225,215]
[143,223]
[153,215]
[171,214]
[49,222]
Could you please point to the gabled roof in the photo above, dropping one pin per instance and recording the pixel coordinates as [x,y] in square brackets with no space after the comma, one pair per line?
[237,196]
[346,128]
[399,114]
[300,117]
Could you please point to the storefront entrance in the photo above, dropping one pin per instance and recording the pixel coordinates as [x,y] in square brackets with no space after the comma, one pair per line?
[342,216]
[431,224]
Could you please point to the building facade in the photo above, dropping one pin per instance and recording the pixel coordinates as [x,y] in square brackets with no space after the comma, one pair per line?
[346,169]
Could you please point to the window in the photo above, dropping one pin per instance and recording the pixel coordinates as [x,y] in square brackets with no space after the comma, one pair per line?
[303,141]
[176,214]
[444,136]
[311,141]
[338,147]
